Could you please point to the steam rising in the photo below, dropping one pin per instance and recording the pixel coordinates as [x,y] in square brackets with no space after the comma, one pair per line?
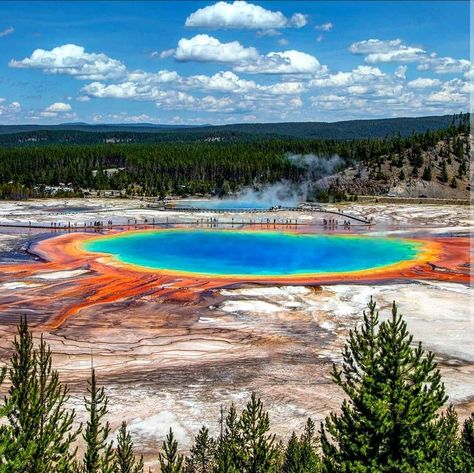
[289,194]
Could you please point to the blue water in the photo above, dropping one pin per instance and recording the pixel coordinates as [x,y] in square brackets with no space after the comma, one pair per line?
[247,253]
[216,204]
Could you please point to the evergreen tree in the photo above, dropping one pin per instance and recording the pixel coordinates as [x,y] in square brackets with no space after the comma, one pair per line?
[170,460]
[462,170]
[444,172]
[402,175]
[38,433]
[201,458]
[292,461]
[450,459]
[389,421]
[258,453]
[300,454]
[467,444]
[125,461]
[453,183]
[427,173]
[309,457]
[227,453]
[98,457]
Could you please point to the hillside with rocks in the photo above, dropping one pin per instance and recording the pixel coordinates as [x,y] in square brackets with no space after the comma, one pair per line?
[442,171]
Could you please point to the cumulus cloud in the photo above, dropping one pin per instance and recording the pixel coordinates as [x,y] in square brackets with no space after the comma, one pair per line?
[8,110]
[423,83]
[242,15]
[401,72]
[117,91]
[73,60]
[336,102]
[58,107]
[285,88]
[167,53]
[283,62]
[445,65]
[161,77]
[454,91]
[271,32]
[360,75]
[7,31]
[205,48]
[387,51]
[384,51]
[223,81]
[325,26]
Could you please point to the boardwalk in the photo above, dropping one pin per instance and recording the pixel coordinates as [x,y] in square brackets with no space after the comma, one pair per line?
[343,220]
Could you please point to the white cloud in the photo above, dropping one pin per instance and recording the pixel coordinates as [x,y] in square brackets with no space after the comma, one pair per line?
[445,65]
[242,15]
[360,75]
[167,53]
[285,88]
[384,51]
[226,82]
[284,62]
[271,32]
[283,42]
[161,77]
[423,83]
[401,72]
[325,26]
[298,20]
[454,91]
[395,50]
[58,107]
[72,60]
[205,48]
[7,31]
[9,112]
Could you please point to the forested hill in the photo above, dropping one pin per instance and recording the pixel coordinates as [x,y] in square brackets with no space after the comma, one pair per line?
[218,167]
[83,133]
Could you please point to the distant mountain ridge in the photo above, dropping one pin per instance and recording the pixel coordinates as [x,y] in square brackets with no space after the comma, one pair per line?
[351,129]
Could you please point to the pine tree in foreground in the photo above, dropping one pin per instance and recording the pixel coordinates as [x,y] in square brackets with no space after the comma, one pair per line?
[450,459]
[125,461]
[39,431]
[227,452]
[98,457]
[170,460]
[389,421]
[301,453]
[202,454]
[258,453]
[467,444]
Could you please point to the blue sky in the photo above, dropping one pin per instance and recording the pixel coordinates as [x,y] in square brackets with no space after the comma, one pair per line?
[190,62]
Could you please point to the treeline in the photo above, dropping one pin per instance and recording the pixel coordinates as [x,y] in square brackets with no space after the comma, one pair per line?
[200,167]
[343,130]
[389,421]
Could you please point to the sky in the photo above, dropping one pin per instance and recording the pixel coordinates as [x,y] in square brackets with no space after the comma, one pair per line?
[187,62]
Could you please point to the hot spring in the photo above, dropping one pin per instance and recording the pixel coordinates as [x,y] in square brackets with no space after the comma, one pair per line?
[235,253]
[222,204]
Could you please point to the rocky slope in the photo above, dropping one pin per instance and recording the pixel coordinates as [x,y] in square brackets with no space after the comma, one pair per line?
[442,171]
